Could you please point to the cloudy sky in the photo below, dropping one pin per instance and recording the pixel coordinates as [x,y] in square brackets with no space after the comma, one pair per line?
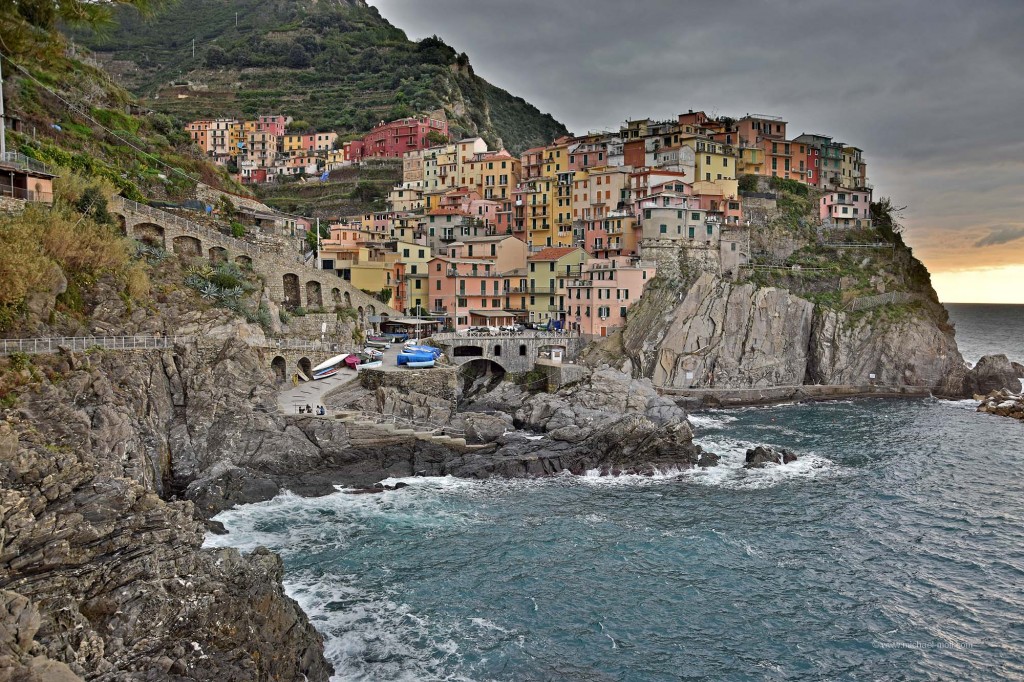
[932,90]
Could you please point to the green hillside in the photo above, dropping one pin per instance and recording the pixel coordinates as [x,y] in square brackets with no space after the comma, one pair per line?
[336,65]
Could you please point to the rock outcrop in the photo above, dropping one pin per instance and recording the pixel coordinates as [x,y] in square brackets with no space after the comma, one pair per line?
[763,455]
[720,334]
[114,571]
[1003,403]
[909,352]
[992,373]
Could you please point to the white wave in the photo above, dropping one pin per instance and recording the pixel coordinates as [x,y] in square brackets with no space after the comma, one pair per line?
[707,421]
[730,472]
[488,625]
[967,404]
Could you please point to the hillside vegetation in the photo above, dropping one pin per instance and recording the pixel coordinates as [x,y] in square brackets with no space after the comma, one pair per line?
[73,117]
[336,65]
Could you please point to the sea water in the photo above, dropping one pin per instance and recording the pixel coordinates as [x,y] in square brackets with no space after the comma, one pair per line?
[893,549]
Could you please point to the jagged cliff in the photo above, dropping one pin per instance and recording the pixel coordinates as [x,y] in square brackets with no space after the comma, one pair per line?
[840,307]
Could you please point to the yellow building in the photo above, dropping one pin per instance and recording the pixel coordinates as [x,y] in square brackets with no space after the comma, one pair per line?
[547,273]
[750,161]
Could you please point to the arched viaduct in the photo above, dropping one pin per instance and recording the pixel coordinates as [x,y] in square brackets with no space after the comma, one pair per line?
[291,283]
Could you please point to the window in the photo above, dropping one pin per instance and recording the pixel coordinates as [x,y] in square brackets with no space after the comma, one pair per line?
[664,229]
[405,253]
[439,267]
[711,229]
[732,246]
[419,284]
[695,216]
[437,285]
[692,231]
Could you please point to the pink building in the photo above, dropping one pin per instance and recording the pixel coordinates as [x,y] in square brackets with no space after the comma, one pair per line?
[275,125]
[469,291]
[392,140]
[598,302]
[850,208]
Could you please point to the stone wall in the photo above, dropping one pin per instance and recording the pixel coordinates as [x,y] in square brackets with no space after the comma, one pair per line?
[438,382]
[514,354]
[288,281]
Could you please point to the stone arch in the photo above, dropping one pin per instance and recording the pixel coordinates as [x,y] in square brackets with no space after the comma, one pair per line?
[314,294]
[468,352]
[336,297]
[522,350]
[371,310]
[184,245]
[243,262]
[480,376]
[347,297]
[292,295]
[497,350]
[218,255]
[150,233]
[306,367]
[122,223]
[280,369]
[546,350]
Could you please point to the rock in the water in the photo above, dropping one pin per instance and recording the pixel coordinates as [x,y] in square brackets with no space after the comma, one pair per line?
[1003,403]
[992,373]
[763,455]
[708,459]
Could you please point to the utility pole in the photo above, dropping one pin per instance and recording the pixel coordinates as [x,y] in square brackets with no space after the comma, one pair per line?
[3,119]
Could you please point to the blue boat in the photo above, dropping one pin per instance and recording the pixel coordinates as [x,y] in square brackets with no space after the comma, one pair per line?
[423,350]
[406,358]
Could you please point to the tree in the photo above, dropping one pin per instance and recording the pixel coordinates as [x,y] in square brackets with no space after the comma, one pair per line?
[298,58]
[216,57]
[436,139]
[384,296]
[46,14]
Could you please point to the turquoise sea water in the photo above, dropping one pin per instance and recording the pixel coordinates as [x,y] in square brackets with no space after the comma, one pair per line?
[893,550]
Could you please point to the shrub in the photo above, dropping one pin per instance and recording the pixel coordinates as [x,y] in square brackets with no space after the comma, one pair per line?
[237,229]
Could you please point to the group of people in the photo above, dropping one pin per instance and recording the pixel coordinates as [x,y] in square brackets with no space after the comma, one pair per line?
[320,411]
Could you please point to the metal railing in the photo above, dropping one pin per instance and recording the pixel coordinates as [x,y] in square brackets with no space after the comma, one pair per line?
[85,343]
[188,225]
[869,302]
[22,162]
[130,343]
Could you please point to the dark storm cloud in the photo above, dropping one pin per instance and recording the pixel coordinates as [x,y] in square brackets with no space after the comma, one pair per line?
[930,89]
[1002,235]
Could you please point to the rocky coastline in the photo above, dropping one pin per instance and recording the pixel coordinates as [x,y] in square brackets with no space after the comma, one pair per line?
[113,464]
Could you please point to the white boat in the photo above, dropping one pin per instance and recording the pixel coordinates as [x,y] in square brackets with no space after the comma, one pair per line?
[424,364]
[328,368]
[370,365]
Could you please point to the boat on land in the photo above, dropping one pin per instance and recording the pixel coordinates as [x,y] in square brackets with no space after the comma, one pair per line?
[370,365]
[409,358]
[423,350]
[328,367]
[371,354]
[374,342]
[420,364]
[353,361]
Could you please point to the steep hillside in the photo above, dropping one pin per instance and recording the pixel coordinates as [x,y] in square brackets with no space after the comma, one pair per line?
[72,116]
[337,65]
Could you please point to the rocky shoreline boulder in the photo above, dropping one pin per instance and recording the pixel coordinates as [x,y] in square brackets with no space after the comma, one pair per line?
[992,373]
[1003,403]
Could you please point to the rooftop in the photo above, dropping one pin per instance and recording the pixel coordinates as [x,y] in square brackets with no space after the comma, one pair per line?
[554,253]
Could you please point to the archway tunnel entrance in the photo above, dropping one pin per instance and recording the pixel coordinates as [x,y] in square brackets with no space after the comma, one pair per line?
[477,377]
[306,367]
[280,369]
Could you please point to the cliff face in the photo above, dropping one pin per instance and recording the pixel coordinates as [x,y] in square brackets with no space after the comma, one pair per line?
[719,334]
[102,576]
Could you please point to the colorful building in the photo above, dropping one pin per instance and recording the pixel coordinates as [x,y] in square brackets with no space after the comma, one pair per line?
[548,272]
[846,209]
[599,298]
[392,140]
